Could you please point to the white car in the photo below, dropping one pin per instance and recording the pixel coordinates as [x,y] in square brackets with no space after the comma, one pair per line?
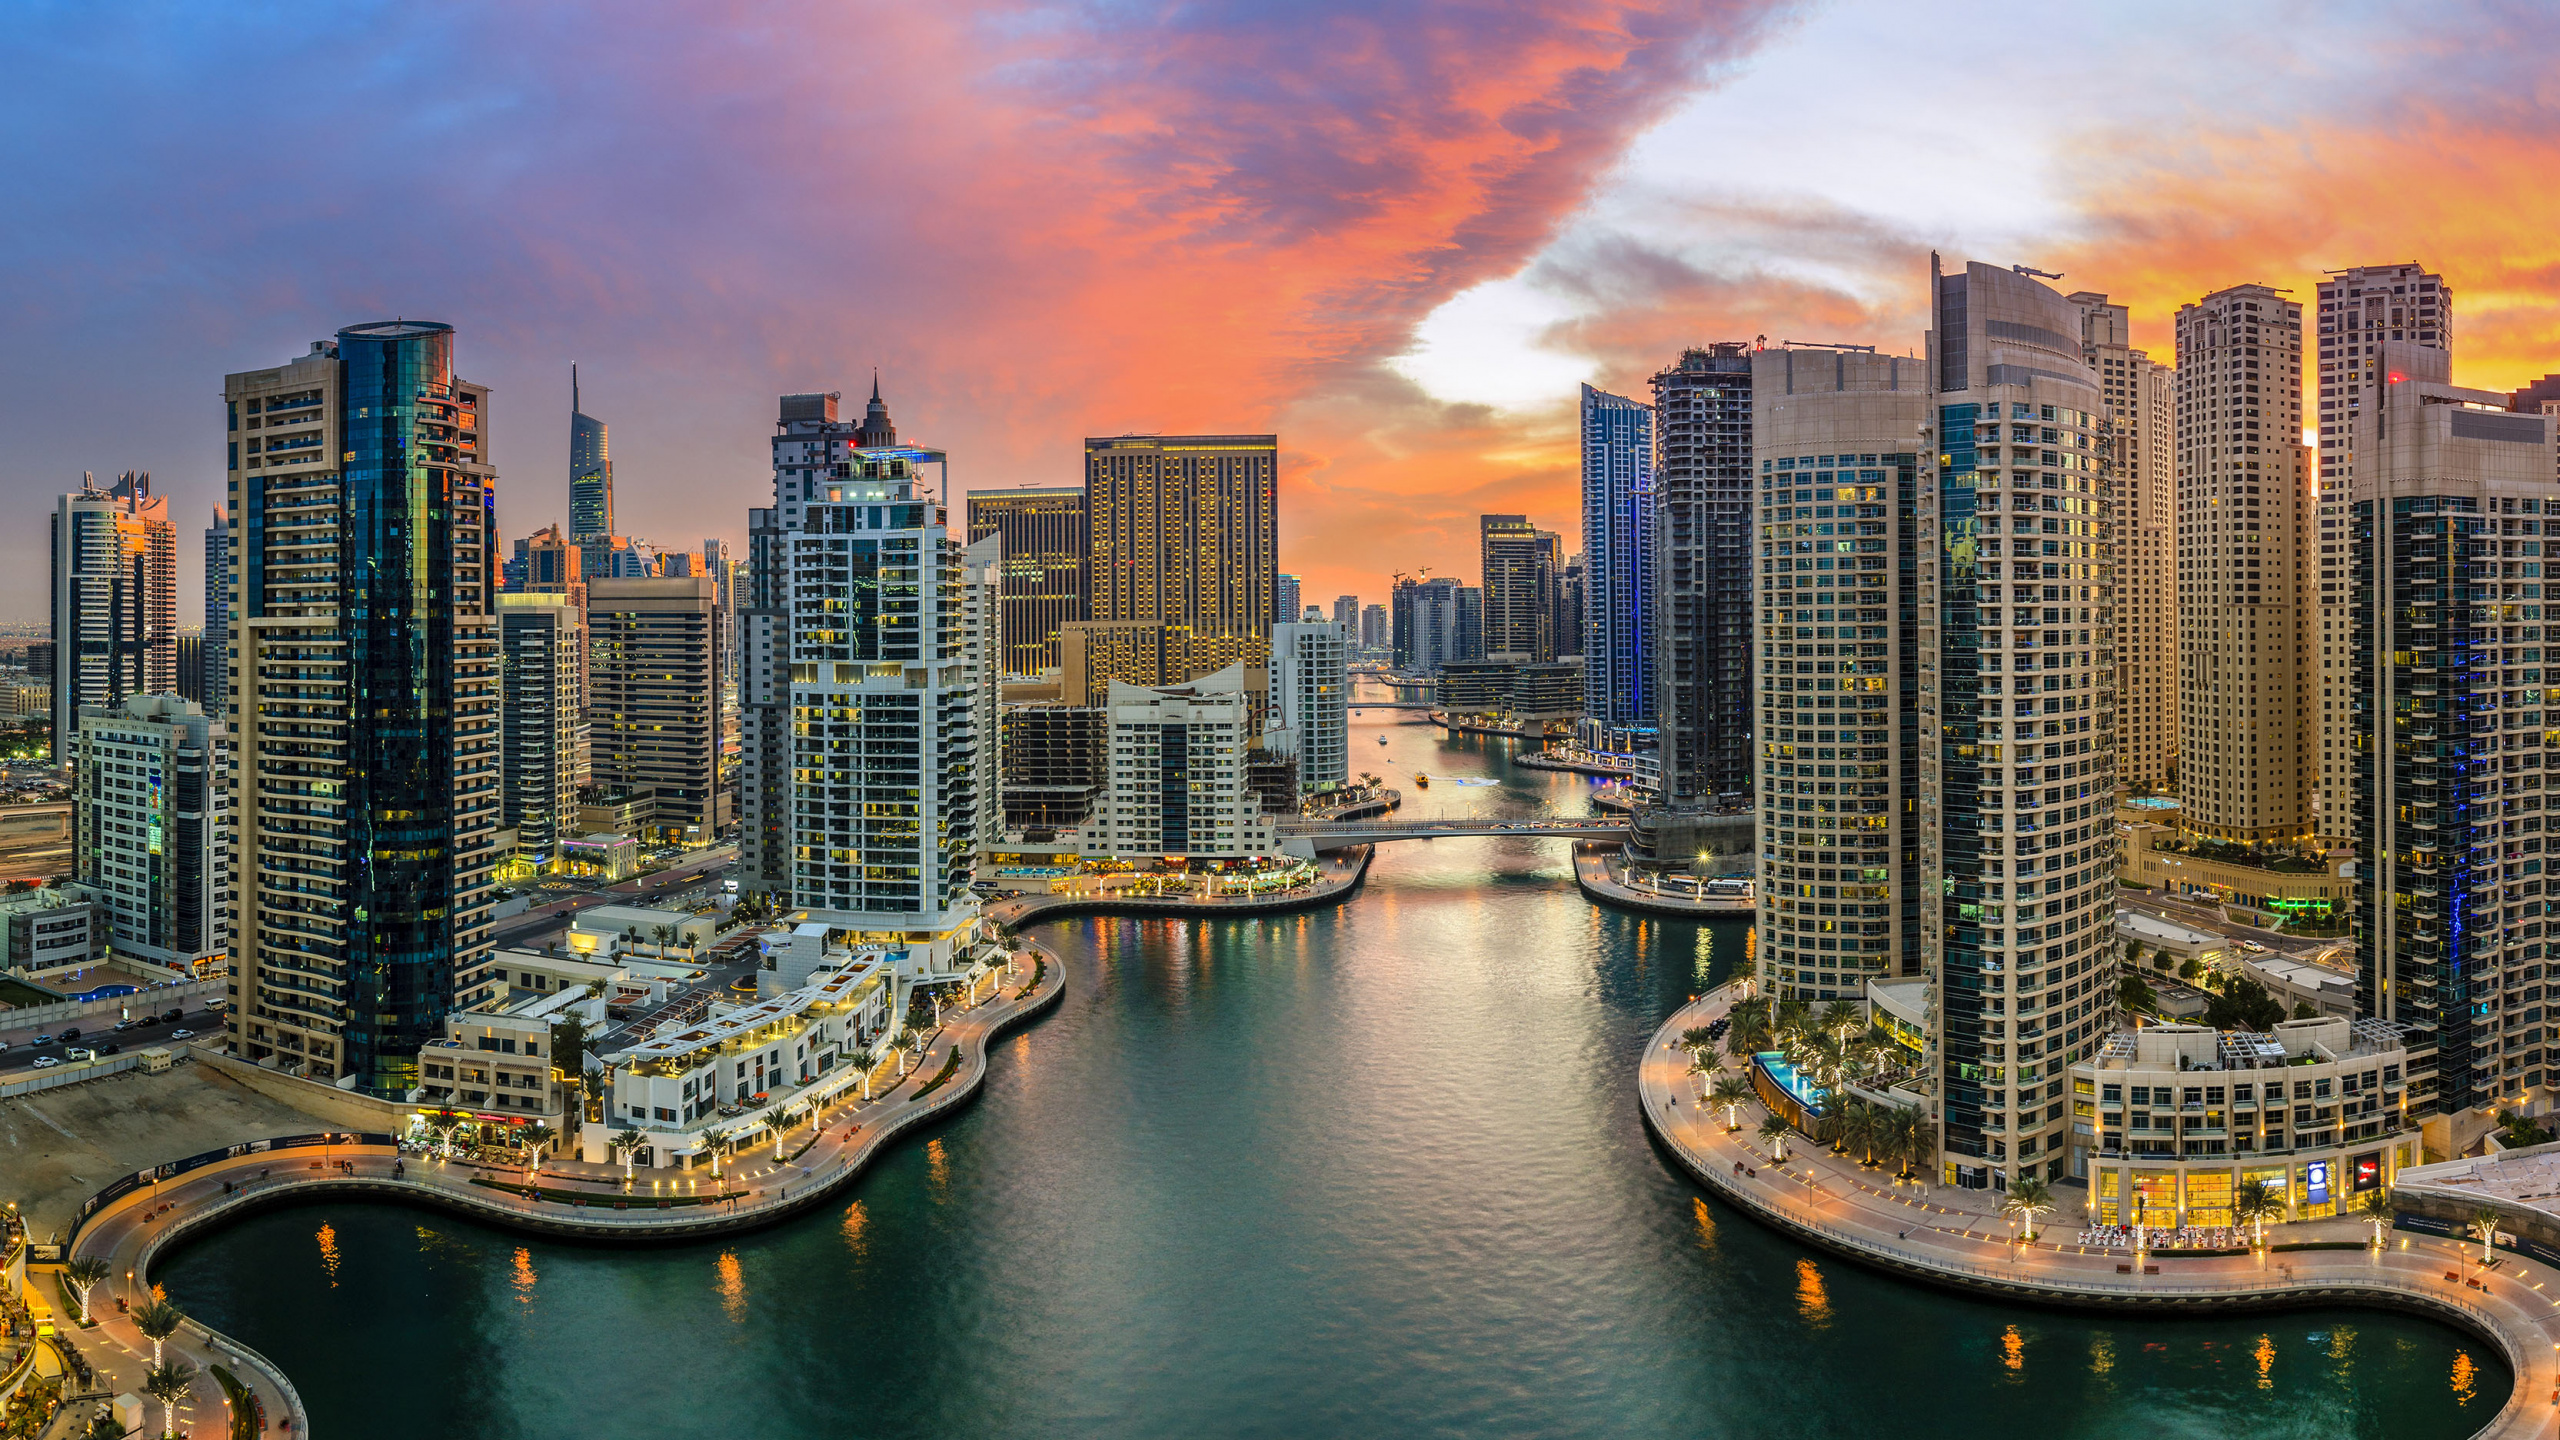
[182,1034]
[46,1062]
[78,1053]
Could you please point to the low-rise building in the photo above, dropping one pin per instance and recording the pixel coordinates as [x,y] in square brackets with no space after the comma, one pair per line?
[149,814]
[2168,1121]
[604,856]
[1177,789]
[2275,890]
[610,930]
[2159,937]
[53,925]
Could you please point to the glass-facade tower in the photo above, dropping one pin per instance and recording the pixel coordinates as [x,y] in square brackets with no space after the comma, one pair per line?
[1617,548]
[590,471]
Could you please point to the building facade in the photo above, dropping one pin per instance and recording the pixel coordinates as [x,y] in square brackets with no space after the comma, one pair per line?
[542,709]
[1177,785]
[1837,433]
[590,471]
[1437,622]
[1042,531]
[2017,704]
[1618,558]
[1519,581]
[148,821]
[114,600]
[215,683]
[654,657]
[365,776]
[1702,419]
[2449,747]
[2141,407]
[2246,734]
[1310,695]
[1185,532]
[1055,762]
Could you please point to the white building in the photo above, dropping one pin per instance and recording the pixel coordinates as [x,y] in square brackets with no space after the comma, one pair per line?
[1310,688]
[1177,774]
[147,806]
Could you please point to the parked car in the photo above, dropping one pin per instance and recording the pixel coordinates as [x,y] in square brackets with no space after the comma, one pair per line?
[46,1062]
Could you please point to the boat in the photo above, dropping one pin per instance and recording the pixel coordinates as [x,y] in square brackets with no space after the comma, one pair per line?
[1422,782]
[1382,739]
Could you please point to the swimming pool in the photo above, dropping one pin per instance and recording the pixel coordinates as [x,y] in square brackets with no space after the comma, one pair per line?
[2152,802]
[106,991]
[1773,1064]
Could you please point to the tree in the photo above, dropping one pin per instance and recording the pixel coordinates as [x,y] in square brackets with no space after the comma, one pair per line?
[2190,969]
[169,1384]
[105,1426]
[1731,1092]
[1697,1042]
[2254,1203]
[535,1138]
[159,1320]
[714,1141]
[1773,1133]
[1919,1141]
[442,1126]
[2302,1011]
[2243,1005]
[2135,994]
[2376,1206]
[81,1275]
[1841,1019]
[2028,1200]
[569,1046]
[628,1141]
[2484,1223]
[2132,954]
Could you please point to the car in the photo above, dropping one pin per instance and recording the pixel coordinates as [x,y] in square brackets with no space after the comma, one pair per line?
[123,1025]
[110,1049]
[44,1040]
[182,1034]
[78,1053]
[70,1035]
[46,1062]
[171,1016]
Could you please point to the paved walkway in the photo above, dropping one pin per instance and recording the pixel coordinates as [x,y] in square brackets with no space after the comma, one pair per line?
[1592,872]
[1956,1238]
[848,1135]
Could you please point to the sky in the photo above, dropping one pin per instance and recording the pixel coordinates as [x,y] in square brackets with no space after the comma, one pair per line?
[1399,233]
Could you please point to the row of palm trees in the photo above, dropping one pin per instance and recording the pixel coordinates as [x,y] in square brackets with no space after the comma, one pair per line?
[166,1380]
[1830,1049]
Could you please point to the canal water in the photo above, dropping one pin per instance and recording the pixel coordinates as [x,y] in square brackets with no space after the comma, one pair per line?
[1371,1172]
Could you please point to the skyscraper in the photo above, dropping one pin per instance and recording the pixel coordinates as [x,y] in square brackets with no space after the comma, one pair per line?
[216,681]
[2017,713]
[1519,614]
[147,830]
[2360,310]
[2449,744]
[1284,599]
[1310,691]
[1185,533]
[2245,731]
[590,471]
[548,563]
[1376,633]
[1437,622]
[1839,438]
[1570,603]
[366,783]
[1618,556]
[114,600]
[1346,613]
[1043,536]
[2142,416]
[1701,626]
[654,657]
[542,698]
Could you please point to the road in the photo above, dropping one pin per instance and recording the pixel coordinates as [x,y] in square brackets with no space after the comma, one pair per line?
[99,1030]
[666,887]
[2208,916]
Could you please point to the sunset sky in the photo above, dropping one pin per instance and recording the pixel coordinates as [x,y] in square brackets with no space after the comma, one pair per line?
[1398,232]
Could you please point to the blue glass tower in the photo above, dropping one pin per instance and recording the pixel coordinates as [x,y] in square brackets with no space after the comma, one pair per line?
[1617,549]
[590,470]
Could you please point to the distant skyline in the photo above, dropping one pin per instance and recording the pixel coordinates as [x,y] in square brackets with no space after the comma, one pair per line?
[1396,235]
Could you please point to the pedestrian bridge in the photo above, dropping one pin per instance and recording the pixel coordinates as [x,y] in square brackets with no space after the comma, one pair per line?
[1314,837]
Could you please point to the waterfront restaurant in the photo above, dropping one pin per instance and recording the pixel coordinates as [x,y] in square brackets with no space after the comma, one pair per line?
[2169,1120]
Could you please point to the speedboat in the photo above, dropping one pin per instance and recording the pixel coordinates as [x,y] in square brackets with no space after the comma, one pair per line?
[1422,782]
[1382,739]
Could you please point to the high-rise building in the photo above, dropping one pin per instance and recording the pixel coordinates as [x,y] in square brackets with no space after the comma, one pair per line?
[1177,781]
[147,806]
[1839,434]
[365,773]
[1376,633]
[1284,599]
[1569,608]
[548,563]
[1184,531]
[1042,532]
[215,683]
[191,667]
[1618,555]
[2017,714]
[653,701]
[1055,762]
[2448,746]
[869,688]
[2141,409]
[115,600]
[1310,694]
[1701,626]
[1437,622]
[2246,735]
[1346,613]
[542,726]
[2361,310]
[590,471]
[1519,584]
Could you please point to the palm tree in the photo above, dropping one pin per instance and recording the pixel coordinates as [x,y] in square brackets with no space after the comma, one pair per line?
[1698,1042]
[442,1126]
[713,1140]
[105,1426]
[2484,1223]
[83,1273]
[1841,1019]
[2028,1200]
[1794,1018]
[535,1138]
[1773,1133]
[1731,1092]
[2376,1206]
[1918,1142]
[169,1384]
[2253,1203]
[159,1320]
[628,1141]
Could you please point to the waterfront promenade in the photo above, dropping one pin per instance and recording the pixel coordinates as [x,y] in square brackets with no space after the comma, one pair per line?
[1608,883]
[824,1154]
[1956,1239]
[1338,877]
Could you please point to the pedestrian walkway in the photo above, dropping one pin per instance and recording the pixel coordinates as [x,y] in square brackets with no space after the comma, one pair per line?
[1957,1238]
[1340,875]
[826,1152]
